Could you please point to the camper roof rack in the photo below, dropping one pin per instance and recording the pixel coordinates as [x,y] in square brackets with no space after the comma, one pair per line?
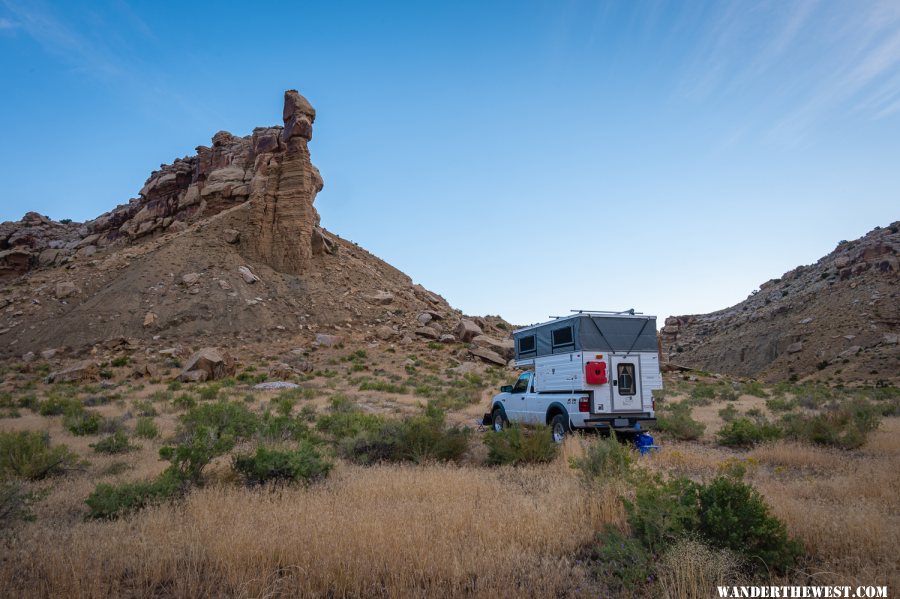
[629,311]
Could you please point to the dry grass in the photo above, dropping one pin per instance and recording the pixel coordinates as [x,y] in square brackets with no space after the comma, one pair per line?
[385,531]
[691,570]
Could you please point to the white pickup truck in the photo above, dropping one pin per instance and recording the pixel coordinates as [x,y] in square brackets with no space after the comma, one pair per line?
[590,370]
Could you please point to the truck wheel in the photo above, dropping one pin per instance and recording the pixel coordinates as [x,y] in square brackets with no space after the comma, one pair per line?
[559,427]
[498,421]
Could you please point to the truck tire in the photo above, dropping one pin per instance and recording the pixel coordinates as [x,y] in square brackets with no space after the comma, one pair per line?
[498,420]
[559,427]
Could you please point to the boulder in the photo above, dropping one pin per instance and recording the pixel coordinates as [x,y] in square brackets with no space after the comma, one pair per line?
[424,318]
[49,354]
[447,339]
[231,235]
[385,333]
[191,278]
[841,262]
[150,319]
[504,347]
[326,340]
[78,372]
[488,355]
[280,370]
[793,348]
[382,298]
[65,289]
[214,362]
[427,332]
[467,330]
[248,275]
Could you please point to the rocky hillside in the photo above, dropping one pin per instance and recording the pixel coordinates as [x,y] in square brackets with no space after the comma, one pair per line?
[837,320]
[221,248]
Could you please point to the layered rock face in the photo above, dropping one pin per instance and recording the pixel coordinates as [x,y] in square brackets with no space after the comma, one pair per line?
[837,319]
[272,166]
[283,189]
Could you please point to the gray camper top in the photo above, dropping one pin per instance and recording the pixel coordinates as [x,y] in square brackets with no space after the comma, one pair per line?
[591,331]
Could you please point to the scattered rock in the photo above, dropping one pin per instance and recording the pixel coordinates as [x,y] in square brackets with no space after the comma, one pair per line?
[231,235]
[79,372]
[65,289]
[427,332]
[793,348]
[806,321]
[488,355]
[467,330]
[271,385]
[326,340]
[385,333]
[248,275]
[850,351]
[29,357]
[424,318]
[48,354]
[280,370]
[890,338]
[191,278]
[447,339]
[381,298]
[150,319]
[214,362]
[504,347]
[841,262]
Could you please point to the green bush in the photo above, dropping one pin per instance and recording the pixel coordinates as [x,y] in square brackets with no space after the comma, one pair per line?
[345,420]
[206,432]
[274,428]
[185,401]
[621,561]
[702,394]
[754,388]
[677,421]
[144,408]
[28,455]
[733,515]
[605,459]
[728,413]
[115,443]
[15,503]
[519,445]
[846,426]
[119,362]
[780,404]
[417,439]
[112,501]
[146,428]
[56,405]
[304,464]
[744,432]
[82,422]
[662,512]
[209,391]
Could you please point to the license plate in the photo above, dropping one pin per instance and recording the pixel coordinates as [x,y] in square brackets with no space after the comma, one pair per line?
[618,422]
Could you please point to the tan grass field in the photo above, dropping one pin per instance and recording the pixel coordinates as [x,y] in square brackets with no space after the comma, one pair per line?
[435,530]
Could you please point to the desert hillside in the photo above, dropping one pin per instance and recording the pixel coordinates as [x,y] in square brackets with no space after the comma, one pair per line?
[837,320]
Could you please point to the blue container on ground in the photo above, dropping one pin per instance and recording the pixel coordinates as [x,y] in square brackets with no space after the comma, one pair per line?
[644,443]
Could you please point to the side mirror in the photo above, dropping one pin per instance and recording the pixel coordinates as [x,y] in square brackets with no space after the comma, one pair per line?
[506,389]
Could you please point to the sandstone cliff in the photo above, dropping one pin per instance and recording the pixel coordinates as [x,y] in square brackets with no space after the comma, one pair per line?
[837,319]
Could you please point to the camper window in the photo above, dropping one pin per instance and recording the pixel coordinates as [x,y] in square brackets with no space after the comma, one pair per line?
[625,376]
[526,344]
[562,338]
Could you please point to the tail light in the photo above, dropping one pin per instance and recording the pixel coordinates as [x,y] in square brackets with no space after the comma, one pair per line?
[654,404]
[595,373]
[584,404]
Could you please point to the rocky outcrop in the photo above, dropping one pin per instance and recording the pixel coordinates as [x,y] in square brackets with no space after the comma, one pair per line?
[271,166]
[804,323]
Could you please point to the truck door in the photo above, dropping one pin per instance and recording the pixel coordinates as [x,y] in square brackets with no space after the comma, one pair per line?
[516,405]
[626,383]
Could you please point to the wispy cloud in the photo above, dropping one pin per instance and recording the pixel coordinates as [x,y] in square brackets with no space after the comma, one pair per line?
[7,24]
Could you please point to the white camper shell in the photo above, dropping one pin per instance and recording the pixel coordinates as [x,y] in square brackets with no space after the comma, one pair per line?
[587,370]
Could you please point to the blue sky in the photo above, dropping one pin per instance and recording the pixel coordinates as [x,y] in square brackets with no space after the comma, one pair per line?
[520,158]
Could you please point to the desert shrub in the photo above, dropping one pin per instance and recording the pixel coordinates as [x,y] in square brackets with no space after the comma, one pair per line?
[284,404]
[728,413]
[846,426]
[780,404]
[146,428]
[345,420]
[620,561]
[56,405]
[15,503]
[115,443]
[82,422]
[209,391]
[144,407]
[754,388]
[662,512]
[702,394]
[417,439]
[28,455]
[185,401]
[279,427]
[728,393]
[112,501]
[383,386]
[520,445]
[206,432]
[677,421]
[733,515]
[745,432]
[304,464]
[605,459]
